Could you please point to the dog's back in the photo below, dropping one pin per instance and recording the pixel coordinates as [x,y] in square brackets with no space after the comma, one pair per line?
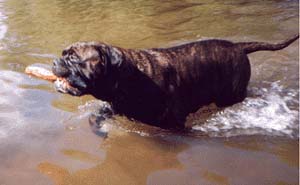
[198,73]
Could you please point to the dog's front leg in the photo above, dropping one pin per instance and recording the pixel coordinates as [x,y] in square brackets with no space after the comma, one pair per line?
[98,119]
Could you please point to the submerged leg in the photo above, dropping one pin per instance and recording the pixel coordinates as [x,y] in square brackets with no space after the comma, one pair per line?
[98,119]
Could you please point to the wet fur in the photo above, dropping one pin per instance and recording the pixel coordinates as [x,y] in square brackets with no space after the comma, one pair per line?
[161,86]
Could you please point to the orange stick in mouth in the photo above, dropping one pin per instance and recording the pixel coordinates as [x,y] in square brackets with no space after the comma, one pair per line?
[41,71]
[44,72]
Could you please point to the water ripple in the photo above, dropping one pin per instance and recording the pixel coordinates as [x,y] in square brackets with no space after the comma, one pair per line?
[267,114]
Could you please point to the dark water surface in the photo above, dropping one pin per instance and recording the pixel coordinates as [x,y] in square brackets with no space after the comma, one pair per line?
[45,137]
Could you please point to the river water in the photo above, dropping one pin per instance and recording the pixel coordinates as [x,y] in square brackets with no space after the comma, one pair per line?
[45,137]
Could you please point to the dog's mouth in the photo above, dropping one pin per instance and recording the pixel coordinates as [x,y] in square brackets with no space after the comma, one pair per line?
[69,81]
[62,85]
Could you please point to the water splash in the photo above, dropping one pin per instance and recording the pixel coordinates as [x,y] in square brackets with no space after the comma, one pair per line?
[268,112]
[117,123]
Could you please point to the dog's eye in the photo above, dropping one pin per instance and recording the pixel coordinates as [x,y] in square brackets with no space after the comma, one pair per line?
[64,52]
[68,52]
[73,57]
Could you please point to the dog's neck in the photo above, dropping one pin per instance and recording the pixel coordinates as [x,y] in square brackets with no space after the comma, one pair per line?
[116,77]
[124,76]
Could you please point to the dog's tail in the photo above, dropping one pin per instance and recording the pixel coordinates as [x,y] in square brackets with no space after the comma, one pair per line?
[250,47]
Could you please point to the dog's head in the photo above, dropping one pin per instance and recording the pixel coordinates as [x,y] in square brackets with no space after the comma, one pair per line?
[83,66]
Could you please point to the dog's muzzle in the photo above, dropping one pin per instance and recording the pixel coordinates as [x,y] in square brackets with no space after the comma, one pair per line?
[60,68]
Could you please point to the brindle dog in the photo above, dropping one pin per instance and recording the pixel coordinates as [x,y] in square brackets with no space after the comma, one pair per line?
[159,86]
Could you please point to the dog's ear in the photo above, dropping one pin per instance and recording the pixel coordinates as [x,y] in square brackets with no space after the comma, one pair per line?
[109,58]
[115,56]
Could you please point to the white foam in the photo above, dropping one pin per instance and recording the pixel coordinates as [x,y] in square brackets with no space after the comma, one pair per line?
[267,114]
[93,106]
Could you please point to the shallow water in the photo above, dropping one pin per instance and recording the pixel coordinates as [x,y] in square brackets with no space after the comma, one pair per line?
[45,137]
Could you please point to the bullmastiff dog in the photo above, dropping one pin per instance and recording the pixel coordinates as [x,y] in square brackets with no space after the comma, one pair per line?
[159,86]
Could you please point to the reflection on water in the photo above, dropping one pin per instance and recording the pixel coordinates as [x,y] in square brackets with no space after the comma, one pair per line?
[129,160]
[281,148]
[213,177]
[45,137]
